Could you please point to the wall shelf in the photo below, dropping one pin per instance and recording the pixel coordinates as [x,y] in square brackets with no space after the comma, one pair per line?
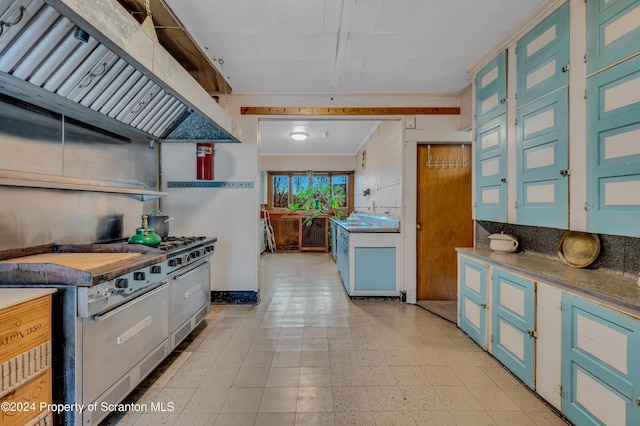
[37,180]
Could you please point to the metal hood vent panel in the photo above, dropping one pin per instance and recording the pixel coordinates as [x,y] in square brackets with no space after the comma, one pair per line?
[38,46]
[194,128]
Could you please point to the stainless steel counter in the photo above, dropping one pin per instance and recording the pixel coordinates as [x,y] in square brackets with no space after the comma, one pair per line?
[369,224]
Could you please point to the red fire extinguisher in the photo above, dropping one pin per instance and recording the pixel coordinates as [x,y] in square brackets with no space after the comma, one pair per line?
[204,161]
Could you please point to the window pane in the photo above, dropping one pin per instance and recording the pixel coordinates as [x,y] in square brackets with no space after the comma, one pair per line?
[299,185]
[339,183]
[320,183]
[280,192]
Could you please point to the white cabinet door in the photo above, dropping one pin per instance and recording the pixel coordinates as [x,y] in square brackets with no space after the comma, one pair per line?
[548,343]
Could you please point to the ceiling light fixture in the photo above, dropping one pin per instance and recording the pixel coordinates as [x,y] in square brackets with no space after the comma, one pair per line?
[298,136]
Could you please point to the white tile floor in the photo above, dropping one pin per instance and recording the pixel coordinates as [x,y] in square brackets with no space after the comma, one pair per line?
[308,355]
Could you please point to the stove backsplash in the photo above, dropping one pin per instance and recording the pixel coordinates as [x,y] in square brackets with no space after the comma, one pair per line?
[36,141]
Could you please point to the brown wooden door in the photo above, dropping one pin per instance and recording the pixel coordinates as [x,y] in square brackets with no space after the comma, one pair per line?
[444,219]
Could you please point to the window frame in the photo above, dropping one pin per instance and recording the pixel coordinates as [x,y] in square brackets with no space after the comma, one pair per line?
[290,174]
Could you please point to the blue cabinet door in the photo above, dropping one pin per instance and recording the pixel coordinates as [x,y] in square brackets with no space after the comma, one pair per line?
[613,32]
[600,368]
[472,283]
[491,90]
[374,269]
[491,170]
[613,150]
[513,324]
[542,162]
[543,58]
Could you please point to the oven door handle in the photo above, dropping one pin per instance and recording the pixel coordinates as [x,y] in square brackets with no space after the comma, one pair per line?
[120,308]
[193,271]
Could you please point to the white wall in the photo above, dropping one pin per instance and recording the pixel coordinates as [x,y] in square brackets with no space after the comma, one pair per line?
[232,214]
[298,163]
[383,172]
[229,214]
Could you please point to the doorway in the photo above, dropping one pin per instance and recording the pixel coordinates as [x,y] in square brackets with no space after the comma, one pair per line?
[444,218]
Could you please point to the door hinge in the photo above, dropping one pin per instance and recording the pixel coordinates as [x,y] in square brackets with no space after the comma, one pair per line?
[516,122]
[503,100]
[585,55]
[515,204]
[565,172]
[532,333]
[564,306]
[484,306]
[561,391]
[491,338]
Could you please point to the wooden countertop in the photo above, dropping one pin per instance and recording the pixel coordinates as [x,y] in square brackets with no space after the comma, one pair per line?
[67,266]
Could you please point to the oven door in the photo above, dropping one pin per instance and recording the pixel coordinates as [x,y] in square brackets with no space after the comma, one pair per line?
[115,341]
[190,291]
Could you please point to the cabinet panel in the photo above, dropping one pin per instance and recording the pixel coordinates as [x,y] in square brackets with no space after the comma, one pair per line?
[491,171]
[613,32]
[600,376]
[542,57]
[375,268]
[613,150]
[491,89]
[542,159]
[472,298]
[513,324]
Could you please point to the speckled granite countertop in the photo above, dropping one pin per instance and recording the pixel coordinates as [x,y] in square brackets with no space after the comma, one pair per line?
[613,289]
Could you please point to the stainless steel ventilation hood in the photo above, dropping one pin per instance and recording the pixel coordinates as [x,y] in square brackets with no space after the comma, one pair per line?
[46,61]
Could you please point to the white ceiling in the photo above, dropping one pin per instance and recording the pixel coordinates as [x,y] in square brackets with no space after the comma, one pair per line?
[326,137]
[346,46]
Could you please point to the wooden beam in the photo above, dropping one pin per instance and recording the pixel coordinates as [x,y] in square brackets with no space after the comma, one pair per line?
[349,111]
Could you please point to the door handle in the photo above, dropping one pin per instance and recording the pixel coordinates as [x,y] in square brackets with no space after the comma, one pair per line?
[418,226]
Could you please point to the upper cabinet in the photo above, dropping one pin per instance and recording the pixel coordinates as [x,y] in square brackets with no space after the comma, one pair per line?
[543,57]
[613,151]
[613,32]
[613,117]
[542,162]
[491,89]
[491,170]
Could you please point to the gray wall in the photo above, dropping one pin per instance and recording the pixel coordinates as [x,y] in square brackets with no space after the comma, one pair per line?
[36,141]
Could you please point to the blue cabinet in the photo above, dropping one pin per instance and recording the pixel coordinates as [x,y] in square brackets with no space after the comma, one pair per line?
[472,299]
[375,268]
[600,368]
[542,162]
[491,89]
[491,170]
[513,324]
[613,150]
[543,58]
[613,32]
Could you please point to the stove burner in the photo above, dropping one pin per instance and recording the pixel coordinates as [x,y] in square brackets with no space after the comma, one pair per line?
[173,243]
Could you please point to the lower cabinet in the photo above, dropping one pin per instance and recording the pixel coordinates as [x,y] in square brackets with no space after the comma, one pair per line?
[600,368]
[580,356]
[513,324]
[472,299]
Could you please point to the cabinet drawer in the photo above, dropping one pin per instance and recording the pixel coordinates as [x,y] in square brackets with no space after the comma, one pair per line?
[24,326]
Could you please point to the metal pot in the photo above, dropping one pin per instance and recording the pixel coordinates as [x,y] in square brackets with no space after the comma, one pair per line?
[159,222]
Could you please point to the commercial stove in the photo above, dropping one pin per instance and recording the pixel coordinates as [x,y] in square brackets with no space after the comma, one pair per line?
[120,310]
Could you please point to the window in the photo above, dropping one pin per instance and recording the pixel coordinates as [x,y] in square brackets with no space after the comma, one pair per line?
[280,191]
[292,187]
